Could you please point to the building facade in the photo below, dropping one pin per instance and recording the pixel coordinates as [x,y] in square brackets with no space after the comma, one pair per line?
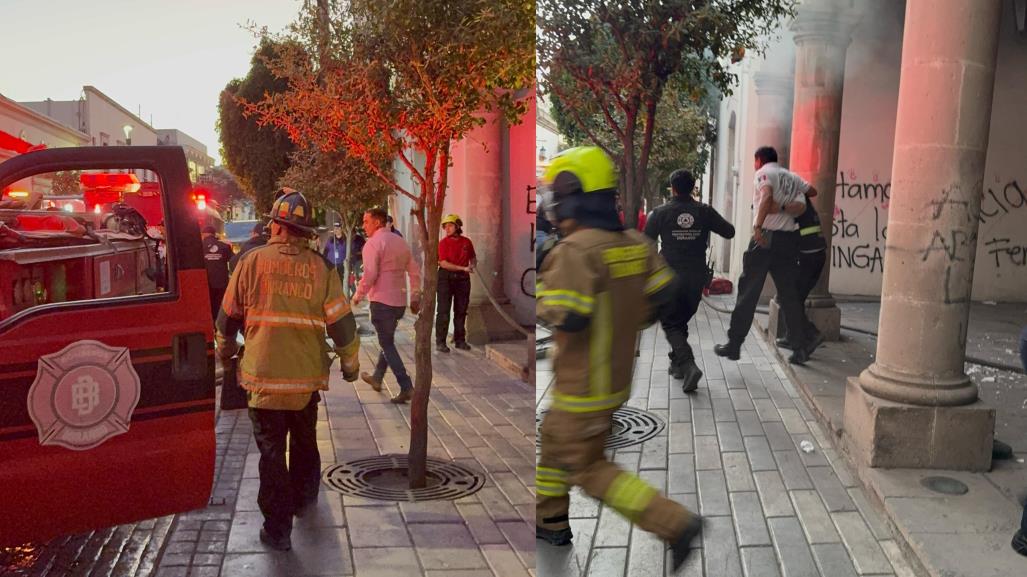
[760,112]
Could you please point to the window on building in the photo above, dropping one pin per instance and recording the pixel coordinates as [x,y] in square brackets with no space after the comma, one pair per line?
[105,139]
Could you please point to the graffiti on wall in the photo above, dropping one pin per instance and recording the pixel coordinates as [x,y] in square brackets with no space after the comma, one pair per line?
[860,229]
[528,274]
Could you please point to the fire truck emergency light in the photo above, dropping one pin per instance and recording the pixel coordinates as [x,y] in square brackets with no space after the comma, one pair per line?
[114,182]
[96,209]
[18,194]
[201,201]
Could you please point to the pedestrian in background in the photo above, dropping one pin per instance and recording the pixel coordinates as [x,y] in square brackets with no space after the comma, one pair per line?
[456,261]
[285,297]
[387,264]
[683,228]
[335,249]
[258,238]
[392,226]
[216,256]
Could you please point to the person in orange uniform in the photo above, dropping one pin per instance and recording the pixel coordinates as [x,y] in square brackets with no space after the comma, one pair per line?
[456,261]
[285,297]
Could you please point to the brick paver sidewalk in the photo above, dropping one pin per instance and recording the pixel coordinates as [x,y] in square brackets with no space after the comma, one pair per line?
[479,415]
[731,451]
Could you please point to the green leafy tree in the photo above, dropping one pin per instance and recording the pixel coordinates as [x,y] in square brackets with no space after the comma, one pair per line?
[222,186]
[257,155]
[612,61]
[337,181]
[402,80]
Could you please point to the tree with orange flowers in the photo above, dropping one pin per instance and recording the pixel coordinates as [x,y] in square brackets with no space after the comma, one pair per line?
[401,81]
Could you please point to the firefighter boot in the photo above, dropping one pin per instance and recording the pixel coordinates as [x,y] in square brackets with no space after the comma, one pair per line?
[283,543]
[556,537]
[677,369]
[682,546]
[691,375]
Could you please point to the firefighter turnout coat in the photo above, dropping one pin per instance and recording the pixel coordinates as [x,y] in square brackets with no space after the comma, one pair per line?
[287,296]
[597,289]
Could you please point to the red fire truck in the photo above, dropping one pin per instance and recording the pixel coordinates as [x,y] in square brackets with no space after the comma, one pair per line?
[106,346]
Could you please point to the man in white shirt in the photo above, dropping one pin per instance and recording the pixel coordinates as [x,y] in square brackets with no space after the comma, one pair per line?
[779,197]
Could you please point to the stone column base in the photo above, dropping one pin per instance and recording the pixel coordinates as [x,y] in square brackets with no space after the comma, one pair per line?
[828,321]
[485,325]
[884,434]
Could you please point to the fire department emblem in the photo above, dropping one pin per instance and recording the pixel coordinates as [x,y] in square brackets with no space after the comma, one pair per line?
[685,220]
[83,395]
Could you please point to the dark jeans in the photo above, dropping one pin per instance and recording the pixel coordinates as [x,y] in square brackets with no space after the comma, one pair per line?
[674,317]
[216,296]
[283,489]
[810,267]
[385,318]
[781,261]
[454,290]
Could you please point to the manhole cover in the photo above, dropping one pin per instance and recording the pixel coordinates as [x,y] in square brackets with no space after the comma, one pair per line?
[385,478]
[946,485]
[631,426]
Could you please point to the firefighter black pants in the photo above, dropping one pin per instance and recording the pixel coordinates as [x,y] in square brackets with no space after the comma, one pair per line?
[811,264]
[454,292]
[781,260]
[284,488]
[216,296]
[675,316]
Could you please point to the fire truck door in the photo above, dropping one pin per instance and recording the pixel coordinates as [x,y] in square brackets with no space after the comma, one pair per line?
[107,380]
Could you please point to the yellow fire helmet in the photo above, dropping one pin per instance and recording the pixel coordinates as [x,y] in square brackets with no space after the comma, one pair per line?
[452,218]
[581,169]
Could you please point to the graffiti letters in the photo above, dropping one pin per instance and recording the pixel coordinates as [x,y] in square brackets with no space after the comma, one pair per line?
[995,204]
[950,244]
[1006,253]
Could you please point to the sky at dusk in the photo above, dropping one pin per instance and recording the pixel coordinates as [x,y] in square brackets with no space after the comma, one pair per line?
[170,58]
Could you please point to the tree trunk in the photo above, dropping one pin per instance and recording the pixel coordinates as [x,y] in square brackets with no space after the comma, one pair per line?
[429,217]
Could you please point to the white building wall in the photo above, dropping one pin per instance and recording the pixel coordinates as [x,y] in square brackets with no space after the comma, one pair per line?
[865,157]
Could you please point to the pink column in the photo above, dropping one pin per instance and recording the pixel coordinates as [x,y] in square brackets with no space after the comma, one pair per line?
[915,407]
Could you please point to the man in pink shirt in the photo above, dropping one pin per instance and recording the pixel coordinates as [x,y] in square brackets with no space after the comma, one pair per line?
[387,262]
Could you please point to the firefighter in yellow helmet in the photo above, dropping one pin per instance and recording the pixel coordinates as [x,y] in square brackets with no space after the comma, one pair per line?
[598,286]
[456,261]
[285,298]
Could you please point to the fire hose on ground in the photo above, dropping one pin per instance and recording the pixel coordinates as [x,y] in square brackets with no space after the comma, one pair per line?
[529,337]
[970,359]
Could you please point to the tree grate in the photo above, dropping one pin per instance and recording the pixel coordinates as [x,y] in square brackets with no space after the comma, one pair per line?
[630,426]
[384,478]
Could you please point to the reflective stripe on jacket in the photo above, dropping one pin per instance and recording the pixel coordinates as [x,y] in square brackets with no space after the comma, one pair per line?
[286,294]
[607,277]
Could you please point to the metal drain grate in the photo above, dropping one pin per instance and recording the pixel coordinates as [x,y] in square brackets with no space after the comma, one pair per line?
[384,478]
[630,426]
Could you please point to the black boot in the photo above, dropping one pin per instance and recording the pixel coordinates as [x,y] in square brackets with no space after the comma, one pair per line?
[692,374]
[730,350]
[782,343]
[677,371]
[816,341]
[1020,543]
[282,543]
[682,546]
[555,537]
[799,356]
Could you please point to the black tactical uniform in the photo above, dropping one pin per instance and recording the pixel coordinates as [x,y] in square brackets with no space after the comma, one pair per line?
[683,228]
[812,257]
[216,255]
